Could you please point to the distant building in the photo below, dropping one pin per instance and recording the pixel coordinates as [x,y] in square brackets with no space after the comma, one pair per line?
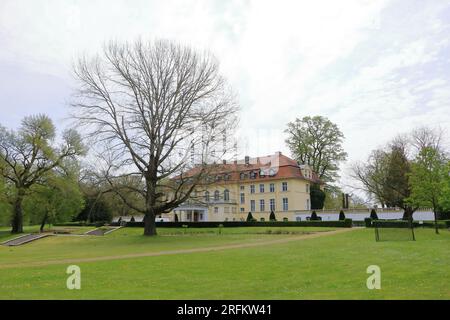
[257,185]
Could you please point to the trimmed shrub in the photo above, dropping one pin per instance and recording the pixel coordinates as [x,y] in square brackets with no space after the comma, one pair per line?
[250,217]
[262,219]
[368,222]
[341,215]
[373,214]
[272,216]
[132,219]
[314,216]
[285,219]
[176,217]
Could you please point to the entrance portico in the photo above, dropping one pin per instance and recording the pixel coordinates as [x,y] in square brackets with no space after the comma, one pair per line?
[192,213]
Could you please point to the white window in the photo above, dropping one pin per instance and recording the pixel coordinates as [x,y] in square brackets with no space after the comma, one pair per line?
[216,209]
[226,195]
[207,196]
[284,186]
[262,205]
[261,188]
[216,195]
[285,204]
[242,187]
[242,209]
[242,198]
[272,205]
[252,188]
[272,187]
[252,205]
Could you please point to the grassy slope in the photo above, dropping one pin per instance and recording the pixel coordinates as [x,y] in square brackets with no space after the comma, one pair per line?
[321,268]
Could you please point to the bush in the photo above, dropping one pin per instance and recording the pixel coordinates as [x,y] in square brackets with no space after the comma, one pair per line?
[368,222]
[285,219]
[314,216]
[341,215]
[176,217]
[250,217]
[272,216]
[262,219]
[373,214]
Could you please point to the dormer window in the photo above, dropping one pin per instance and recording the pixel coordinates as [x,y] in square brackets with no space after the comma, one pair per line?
[253,175]
[272,172]
[262,173]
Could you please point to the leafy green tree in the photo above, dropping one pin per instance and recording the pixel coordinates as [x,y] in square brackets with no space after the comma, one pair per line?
[58,200]
[5,207]
[427,180]
[317,141]
[317,196]
[332,198]
[444,201]
[29,154]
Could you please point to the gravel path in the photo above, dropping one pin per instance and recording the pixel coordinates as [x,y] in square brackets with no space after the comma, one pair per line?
[180,251]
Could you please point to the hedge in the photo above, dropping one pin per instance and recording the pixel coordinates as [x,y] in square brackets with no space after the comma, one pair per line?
[347,223]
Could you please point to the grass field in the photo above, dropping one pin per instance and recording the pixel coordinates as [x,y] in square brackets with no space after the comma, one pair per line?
[332,266]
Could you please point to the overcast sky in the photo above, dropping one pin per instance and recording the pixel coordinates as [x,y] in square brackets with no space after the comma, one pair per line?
[376,68]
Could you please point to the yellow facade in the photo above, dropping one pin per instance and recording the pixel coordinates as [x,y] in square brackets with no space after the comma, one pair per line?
[232,201]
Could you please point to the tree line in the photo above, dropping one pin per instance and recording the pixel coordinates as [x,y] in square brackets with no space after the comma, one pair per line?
[152,111]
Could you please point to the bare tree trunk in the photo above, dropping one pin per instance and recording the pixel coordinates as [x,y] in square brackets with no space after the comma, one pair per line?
[407,213]
[435,221]
[17,220]
[149,224]
[44,221]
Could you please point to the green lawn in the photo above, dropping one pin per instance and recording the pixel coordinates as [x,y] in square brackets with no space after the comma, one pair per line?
[328,267]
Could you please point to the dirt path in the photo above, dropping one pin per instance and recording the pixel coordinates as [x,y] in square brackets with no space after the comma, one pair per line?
[180,251]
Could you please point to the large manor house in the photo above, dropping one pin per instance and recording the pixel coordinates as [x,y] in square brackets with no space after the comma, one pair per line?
[257,185]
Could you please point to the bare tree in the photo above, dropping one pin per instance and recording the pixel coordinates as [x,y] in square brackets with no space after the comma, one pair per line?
[426,137]
[161,109]
[28,156]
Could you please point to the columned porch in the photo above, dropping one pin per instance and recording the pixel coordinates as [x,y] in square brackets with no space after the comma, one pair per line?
[191,213]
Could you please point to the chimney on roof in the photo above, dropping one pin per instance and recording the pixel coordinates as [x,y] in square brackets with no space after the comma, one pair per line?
[224,161]
[247,160]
